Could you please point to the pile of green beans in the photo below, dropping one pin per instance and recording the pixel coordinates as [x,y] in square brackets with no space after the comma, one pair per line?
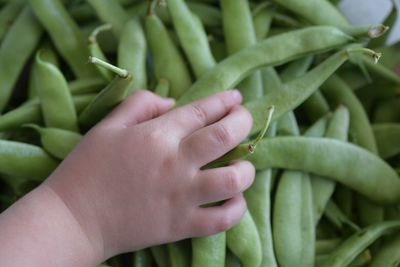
[327,188]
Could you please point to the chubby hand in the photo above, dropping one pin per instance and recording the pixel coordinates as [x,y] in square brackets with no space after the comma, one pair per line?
[135,180]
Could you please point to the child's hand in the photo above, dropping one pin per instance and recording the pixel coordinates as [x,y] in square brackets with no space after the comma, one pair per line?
[135,179]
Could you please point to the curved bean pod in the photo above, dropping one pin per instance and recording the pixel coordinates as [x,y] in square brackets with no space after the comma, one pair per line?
[132,52]
[388,255]
[209,251]
[359,169]
[14,53]
[65,34]
[8,14]
[233,69]
[20,159]
[388,139]
[354,245]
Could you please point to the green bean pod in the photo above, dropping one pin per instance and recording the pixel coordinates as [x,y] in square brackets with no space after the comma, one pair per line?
[359,169]
[55,98]
[14,53]
[232,260]
[132,52]
[318,12]
[326,246]
[162,88]
[20,159]
[167,60]
[239,33]
[192,37]
[262,18]
[111,12]
[387,111]
[86,85]
[233,69]
[389,21]
[258,199]
[179,253]
[209,251]
[8,14]
[160,255]
[337,91]
[105,101]
[95,51]
[65,35]
[389,254]
[296,91]
[244,241]
[323,188]
[48,55]
[142,258]
[30,112]
[57,142]
[292,219]
[387,138]
[338,218]
[354,245]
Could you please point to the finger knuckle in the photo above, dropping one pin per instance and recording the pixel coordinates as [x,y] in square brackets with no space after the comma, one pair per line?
[224,223]
[223,135]
[233,180]
[199,113]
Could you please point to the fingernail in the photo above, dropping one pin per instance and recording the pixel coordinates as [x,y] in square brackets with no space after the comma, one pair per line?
[236,95]
[169,100]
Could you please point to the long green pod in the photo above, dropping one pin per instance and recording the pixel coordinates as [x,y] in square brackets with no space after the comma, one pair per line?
[239,33]
[132,52]
[108,98]
[388,139]
[160,255]
[322,188]
[381,71]
[296,91]
[86,85]
[232,260]
[336,216]
[20,159]
[111,12]
[319,12]
[359,169]
[167,60]
[162,88]
[233,69]
[57,142]
[259,200]
[48,55]
[192,37]
[14,53]
[209,251]
[95,50]
[179,253]
[293,207]
[358,242]
[338,92]
[55,98]
[326,246]
[387,111]
[142,258]
[8,14]
[30,112]
[65,35]
[262,18]
[389,254]
[244,241]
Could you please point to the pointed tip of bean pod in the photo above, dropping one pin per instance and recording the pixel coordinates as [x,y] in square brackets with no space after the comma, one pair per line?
[32,126]
[366,51]
[377,31]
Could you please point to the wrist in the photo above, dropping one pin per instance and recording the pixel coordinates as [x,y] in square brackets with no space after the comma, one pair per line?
[44,232]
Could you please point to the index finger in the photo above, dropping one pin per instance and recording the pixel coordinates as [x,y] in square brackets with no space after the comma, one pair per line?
[196,115]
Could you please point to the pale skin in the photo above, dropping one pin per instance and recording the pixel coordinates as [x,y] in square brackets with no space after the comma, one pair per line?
[134,181]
